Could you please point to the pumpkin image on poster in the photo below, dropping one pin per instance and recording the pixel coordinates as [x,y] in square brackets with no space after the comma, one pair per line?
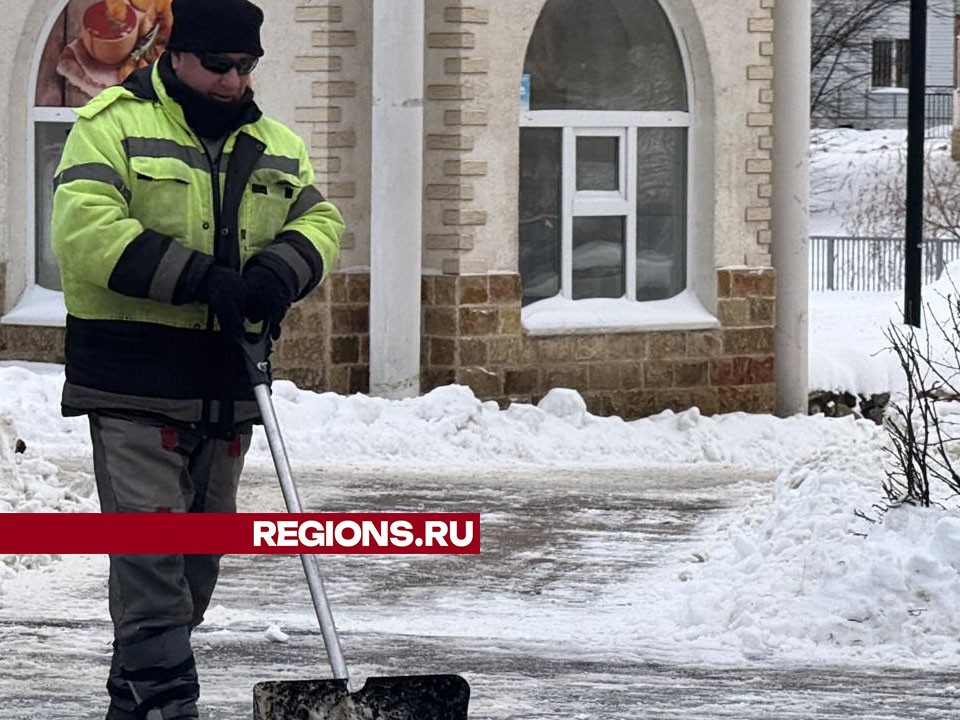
[103,41]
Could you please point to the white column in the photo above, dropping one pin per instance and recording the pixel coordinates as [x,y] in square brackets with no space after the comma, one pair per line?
[791,192]
[396,197]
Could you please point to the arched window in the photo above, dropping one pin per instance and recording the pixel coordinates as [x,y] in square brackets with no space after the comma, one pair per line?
[87,47]
[603,154]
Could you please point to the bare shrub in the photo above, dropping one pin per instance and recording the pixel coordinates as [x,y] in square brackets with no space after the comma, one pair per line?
[923,424]
[879,208]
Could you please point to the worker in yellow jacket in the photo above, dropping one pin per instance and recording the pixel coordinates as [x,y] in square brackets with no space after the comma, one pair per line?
[181,216]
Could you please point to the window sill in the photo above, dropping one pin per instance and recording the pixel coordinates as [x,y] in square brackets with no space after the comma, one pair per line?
[884,90]
[38,306]
[558,316]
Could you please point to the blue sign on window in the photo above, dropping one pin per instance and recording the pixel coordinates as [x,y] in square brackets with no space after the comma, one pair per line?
[525,92]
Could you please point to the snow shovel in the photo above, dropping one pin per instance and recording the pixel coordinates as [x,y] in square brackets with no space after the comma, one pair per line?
[405,697]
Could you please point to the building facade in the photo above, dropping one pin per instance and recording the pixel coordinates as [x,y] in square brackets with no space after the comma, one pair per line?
[592,206]
[862,81]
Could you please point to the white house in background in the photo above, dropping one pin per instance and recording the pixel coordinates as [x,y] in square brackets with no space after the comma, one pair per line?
[868,88]
[614,229]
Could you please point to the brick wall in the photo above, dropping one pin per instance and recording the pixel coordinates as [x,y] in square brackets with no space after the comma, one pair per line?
[326,338]
[28,342]
[472,336]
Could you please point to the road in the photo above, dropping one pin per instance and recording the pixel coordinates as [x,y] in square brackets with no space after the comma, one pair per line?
[527,623]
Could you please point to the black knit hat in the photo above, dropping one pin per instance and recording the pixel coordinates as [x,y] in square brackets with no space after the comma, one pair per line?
[216,26]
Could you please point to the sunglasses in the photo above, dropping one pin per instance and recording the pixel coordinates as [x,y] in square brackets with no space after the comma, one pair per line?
[222,64]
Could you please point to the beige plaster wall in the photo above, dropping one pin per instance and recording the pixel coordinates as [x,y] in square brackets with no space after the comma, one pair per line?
[316,78]
[330,109]
[720,42]
[334,105]
[505,44]
[279,88]
[739,47]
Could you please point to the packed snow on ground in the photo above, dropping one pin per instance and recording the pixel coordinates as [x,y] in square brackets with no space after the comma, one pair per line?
[795,574]
[809,569]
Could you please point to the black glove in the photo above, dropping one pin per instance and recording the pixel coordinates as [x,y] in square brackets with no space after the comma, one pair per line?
[268,297]
[226,294]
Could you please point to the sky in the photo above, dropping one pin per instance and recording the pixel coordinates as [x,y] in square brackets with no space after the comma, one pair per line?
[795,572]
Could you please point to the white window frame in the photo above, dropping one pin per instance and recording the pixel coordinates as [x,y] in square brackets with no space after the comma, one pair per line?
[23,313]
[593,203]
[898,46]
[39,115]
[621,203]
[38,305]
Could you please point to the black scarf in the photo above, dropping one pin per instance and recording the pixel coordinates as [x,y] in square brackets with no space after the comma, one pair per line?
[210,119]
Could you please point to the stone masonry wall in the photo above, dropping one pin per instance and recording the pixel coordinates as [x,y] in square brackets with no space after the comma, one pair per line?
[472,336]
[325,343]
[28,342]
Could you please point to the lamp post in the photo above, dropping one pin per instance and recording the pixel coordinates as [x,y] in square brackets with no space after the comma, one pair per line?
[913,251]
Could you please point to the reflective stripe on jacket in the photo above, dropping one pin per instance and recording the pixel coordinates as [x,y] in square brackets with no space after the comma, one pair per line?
[140,210]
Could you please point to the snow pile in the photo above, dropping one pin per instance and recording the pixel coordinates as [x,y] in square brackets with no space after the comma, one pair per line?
[12,486]
[30,395]
[32,484]
[29,486]
[845,165]
[854,356]
[446,427]
[849,348]
[450,426]
[808,577]
[28,481]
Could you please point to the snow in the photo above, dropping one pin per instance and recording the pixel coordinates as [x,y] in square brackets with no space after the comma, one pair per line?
[851,355]
[806,569]
[275,634]
[38,306]
[558,315]
[846,165]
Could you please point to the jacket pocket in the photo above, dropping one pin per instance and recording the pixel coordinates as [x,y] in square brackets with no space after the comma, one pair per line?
[267,201]
[164,197]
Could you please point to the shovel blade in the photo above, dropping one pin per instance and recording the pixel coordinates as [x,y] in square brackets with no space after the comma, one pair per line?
[405,697]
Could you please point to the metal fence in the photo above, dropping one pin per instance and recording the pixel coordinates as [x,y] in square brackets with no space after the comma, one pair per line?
[872,264]
[938,102]
[866,109]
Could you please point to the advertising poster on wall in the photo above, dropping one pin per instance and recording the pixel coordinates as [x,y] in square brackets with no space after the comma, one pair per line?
[96,43]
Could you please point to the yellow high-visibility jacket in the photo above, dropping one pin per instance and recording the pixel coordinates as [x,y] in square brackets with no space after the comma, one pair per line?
[141,212]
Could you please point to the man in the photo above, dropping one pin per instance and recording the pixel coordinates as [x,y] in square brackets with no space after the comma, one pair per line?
[179,212]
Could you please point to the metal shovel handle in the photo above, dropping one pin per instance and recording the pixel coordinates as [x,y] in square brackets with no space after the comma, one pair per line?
[258,367]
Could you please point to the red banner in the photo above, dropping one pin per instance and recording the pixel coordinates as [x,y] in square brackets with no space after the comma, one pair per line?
[240,533]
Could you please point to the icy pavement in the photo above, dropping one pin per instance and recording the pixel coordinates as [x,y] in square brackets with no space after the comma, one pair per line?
[555,618]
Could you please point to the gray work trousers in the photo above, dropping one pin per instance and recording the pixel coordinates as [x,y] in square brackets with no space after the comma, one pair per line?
[142,465]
